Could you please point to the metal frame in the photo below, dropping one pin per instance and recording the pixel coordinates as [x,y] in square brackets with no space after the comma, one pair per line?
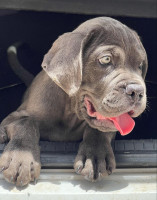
[133,8]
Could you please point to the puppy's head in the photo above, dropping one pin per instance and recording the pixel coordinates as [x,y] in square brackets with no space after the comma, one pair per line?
[102,65]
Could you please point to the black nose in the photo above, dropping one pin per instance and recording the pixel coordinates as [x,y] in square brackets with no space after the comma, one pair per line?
[135,91]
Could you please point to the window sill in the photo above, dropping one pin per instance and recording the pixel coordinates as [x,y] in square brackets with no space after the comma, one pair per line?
[65,184]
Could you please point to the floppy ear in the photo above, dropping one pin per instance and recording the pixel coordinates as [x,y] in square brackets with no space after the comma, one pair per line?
[63,62]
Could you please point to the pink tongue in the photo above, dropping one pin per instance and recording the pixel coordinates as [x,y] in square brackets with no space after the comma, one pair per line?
[124,123]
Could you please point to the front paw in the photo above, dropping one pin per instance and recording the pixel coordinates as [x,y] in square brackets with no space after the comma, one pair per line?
[94,163]
[20,166]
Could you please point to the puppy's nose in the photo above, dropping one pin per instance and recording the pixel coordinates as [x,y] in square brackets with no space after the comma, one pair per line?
[135,91]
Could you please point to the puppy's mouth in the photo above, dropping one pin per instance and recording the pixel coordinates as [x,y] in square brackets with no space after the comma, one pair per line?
[123,123]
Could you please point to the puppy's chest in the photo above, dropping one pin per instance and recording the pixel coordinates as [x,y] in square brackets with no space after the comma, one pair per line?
[71,128]
[68,128]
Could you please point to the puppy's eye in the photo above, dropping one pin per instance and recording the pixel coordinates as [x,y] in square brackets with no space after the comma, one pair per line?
[140,66]
[105,60]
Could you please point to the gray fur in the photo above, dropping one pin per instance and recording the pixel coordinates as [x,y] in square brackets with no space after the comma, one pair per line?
[53,107]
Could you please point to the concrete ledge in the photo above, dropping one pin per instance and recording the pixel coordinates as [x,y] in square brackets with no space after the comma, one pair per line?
[64,184]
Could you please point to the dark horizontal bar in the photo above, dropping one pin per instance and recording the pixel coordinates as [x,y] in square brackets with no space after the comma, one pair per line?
[133,8]
[128,153]
[122,160]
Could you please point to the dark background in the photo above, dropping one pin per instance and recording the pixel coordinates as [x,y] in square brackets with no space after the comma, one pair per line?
[39,29]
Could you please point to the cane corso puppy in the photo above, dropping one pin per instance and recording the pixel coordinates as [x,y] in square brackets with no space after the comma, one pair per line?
[91,85]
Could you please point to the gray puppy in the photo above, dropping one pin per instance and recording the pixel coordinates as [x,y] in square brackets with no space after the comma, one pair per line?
[91,85]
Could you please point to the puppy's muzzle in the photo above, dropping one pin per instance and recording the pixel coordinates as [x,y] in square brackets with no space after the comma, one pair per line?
[135,92]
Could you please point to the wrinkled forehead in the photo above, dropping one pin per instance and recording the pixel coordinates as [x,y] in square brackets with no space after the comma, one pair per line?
[119,39]
[110,30]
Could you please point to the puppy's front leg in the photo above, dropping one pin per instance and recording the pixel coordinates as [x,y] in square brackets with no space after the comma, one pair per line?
[95,158]
[20,161]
